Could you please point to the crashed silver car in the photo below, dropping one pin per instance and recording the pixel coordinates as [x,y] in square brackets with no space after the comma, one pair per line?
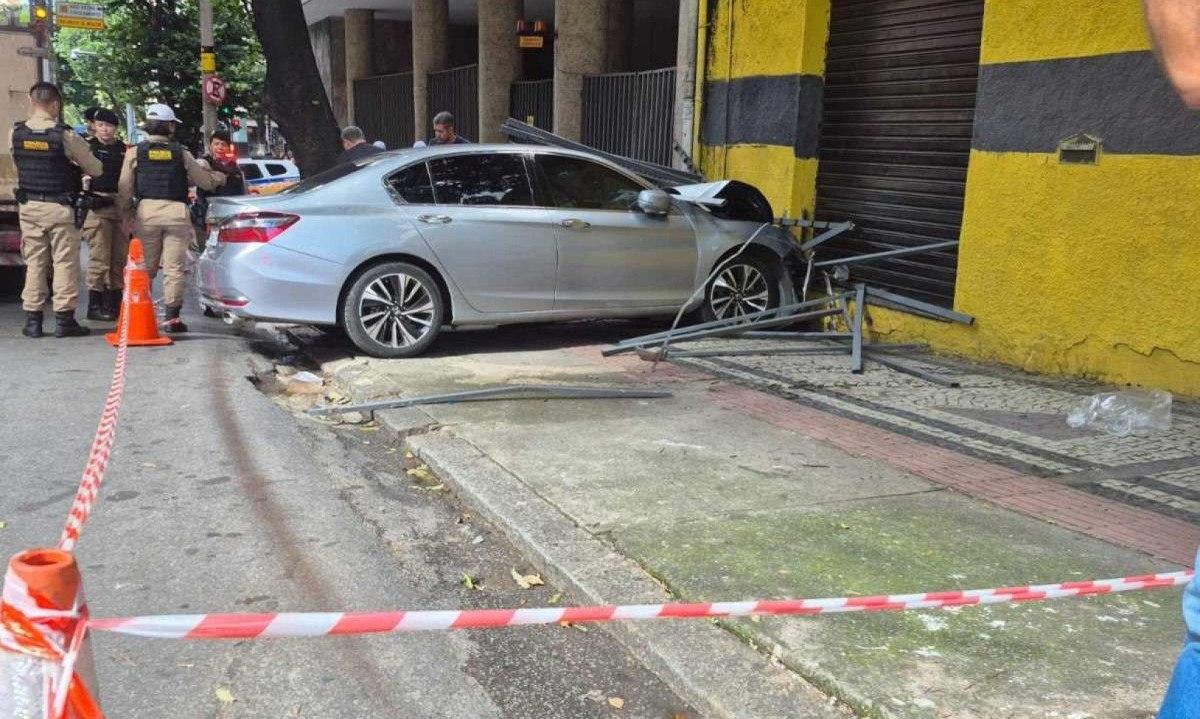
[395,247]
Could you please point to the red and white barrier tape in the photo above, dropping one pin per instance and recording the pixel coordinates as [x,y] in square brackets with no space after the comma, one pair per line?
[320,624]
[102,443]
[31,626]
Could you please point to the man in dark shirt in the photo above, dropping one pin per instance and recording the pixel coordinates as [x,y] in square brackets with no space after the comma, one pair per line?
[355,145]
[444,132]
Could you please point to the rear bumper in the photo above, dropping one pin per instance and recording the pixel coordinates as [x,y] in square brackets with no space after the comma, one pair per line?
[267,282]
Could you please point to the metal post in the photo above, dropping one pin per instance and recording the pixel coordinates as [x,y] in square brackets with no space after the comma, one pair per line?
[856,347]
[207,64]
[130,123]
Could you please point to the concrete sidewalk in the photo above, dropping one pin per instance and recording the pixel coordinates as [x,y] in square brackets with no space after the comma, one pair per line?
[725,493]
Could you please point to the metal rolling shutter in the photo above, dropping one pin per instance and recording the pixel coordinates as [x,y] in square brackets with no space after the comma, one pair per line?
[896,134]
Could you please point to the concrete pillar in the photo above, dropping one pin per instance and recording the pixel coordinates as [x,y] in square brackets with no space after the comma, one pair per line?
[619,36]
[430,41]
[685,81]
[499,64]
[579,49]
[359,50]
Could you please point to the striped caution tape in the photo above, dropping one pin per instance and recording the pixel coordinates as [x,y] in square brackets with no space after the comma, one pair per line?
[320,624]
[102,442]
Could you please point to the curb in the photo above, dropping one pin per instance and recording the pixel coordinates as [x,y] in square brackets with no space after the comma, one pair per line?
[708,666]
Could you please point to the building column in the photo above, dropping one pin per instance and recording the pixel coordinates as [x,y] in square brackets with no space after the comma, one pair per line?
[499,64]
[685,82]
[359,50]
[430,37]
[579,49]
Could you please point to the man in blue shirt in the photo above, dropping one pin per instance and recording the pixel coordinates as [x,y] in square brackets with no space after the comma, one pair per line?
[1175,27]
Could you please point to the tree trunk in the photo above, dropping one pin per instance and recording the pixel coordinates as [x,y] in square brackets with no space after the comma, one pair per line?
[295,96]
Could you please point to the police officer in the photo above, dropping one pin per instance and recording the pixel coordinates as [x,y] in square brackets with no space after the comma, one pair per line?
[221,157]
[108,243]
[49,156]
[154,188]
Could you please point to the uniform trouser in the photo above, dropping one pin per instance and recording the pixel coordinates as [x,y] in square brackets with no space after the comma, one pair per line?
[166,247]
[108,247]
[50,248]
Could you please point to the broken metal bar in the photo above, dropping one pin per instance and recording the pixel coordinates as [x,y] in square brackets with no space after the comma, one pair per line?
[740,321]
[801,222]
[731,330]
[784,335]
[856,342]
[529,391]
[902,308]
[652,355]
[829,234]
[923,307]
[918,373]
[883,255]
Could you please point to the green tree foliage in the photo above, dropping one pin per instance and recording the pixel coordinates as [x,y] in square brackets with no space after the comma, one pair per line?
[150,52]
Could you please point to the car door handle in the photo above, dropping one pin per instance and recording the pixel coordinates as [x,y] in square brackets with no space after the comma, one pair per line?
[575,224]
[434,219]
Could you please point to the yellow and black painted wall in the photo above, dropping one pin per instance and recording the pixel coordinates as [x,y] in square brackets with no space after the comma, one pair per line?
[1072,261]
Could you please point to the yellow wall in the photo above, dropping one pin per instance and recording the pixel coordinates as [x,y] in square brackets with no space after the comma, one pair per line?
[1077,269]
[1019,30]
[746,38]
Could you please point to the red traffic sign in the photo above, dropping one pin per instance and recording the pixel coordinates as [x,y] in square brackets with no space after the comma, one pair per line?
[214,89]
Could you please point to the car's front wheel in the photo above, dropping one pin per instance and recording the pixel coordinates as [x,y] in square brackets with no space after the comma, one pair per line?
[393,310]
[746,284]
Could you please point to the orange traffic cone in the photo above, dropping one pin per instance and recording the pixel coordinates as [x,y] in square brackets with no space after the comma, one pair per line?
[137,306]
[45,657]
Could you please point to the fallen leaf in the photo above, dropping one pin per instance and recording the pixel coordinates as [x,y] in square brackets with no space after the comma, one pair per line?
[616,702]
[756,618]
[469,582]
[555,598]
[526,581]
[3,525]
[844,526]
[225,696]
[434,488]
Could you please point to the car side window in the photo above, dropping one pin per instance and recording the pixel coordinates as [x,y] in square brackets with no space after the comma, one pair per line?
[251,171]
[578,183]
[276,169]
[412,184]
[481,179]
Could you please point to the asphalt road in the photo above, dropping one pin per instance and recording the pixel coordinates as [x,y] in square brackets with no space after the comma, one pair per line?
[218,499]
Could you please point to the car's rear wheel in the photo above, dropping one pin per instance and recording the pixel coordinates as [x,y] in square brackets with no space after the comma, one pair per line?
[747,284]
[393,310]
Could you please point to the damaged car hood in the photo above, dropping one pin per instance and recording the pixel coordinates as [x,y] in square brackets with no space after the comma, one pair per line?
[727,200]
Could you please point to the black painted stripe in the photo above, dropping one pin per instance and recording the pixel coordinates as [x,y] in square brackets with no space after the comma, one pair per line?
[1122,98]
[766,109]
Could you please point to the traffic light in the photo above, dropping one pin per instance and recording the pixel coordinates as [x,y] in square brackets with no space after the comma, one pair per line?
[39,15]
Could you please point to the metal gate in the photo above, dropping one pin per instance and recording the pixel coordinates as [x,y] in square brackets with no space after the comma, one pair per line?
[532,102]
[456,90]
[383,108]
[630,113]
[896,134]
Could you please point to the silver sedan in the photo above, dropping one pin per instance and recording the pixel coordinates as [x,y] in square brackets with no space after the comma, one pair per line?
[397,246]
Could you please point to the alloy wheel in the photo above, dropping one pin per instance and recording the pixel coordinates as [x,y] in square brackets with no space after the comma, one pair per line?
[738,290]
[396,310]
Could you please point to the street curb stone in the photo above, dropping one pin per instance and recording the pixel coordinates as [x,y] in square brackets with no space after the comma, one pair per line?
[710,668]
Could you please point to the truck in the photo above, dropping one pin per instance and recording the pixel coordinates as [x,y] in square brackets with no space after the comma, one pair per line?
[20,68]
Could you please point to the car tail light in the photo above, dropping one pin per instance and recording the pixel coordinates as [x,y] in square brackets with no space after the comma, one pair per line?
[255,226]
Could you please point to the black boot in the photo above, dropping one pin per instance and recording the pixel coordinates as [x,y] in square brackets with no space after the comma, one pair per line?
[97,306]
[67,326]
[112,302]
[33,324]
[173,325]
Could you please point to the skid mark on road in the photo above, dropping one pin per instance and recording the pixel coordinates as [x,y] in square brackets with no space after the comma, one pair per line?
[297,566]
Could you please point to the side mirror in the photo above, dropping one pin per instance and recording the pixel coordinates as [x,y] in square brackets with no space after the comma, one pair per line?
[654,202]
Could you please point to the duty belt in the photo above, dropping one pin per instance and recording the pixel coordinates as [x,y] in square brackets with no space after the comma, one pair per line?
[61,198]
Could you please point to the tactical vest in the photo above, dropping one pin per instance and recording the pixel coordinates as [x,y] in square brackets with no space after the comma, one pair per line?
[235,184]
[160,172]
[41,159]
[113,158]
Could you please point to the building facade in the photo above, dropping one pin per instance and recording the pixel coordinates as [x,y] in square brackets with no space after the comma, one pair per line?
[1041,135]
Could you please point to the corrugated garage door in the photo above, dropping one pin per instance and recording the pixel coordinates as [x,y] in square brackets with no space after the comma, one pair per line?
[896,134]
